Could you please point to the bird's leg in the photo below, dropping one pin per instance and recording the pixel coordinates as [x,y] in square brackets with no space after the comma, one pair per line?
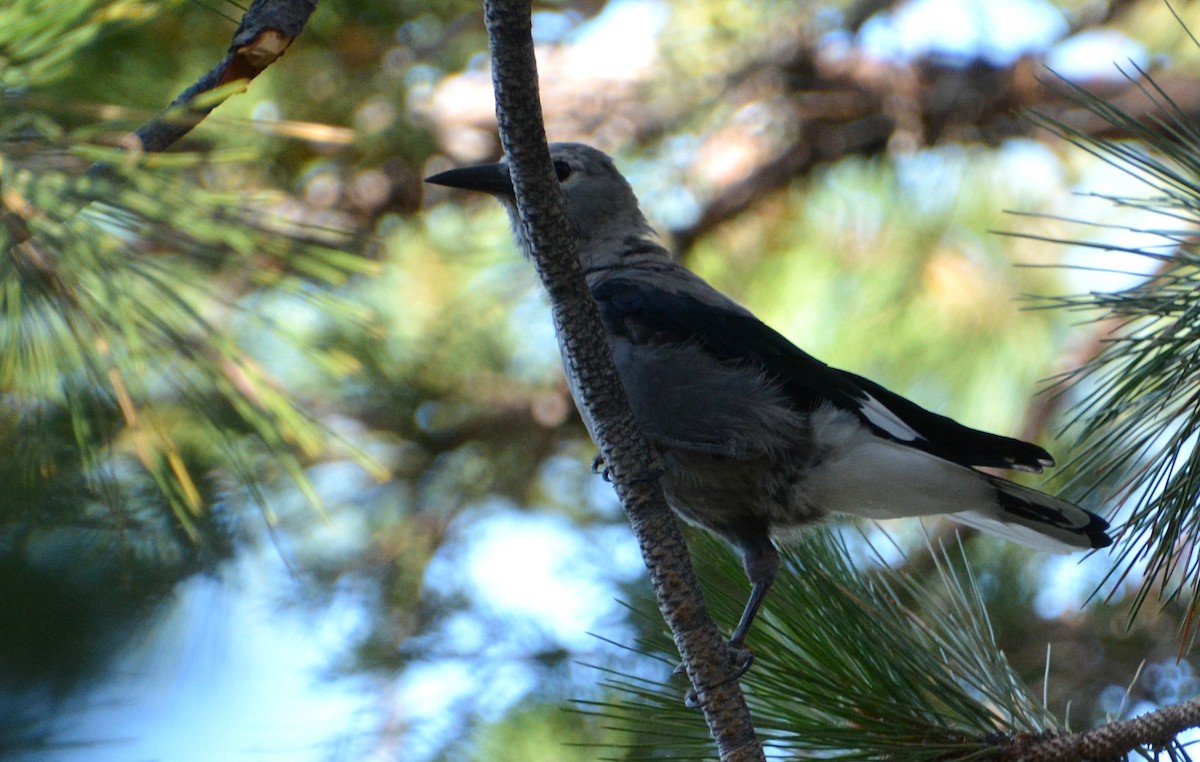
[761,562]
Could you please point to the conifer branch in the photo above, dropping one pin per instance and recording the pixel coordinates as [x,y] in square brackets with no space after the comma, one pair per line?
[265,32]
[1136,418]
[628,456]
[1155,730]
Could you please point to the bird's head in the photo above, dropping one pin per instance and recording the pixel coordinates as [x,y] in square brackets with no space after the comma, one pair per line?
[600,207]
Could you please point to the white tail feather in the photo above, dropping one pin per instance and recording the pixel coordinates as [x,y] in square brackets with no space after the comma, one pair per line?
[1064,530]
[995,523]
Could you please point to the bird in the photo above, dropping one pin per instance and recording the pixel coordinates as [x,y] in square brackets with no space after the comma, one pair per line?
[756,438]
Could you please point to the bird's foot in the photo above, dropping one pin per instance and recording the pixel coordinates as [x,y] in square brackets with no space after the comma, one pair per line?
[601,468]
[742,659]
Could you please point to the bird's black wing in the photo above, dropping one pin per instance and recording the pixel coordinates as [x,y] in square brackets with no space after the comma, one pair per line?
[630,308]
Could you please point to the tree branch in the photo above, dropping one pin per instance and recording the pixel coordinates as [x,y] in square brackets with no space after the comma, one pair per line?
[266,31]
[1154,730]
[706,657]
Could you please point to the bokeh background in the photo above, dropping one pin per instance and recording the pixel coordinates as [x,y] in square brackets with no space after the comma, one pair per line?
[433,573]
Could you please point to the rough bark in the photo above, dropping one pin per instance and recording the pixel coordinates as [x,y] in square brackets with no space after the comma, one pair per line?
[708,661]
[1154,731]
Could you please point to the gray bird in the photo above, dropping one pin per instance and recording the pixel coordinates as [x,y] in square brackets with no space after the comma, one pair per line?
[758,439]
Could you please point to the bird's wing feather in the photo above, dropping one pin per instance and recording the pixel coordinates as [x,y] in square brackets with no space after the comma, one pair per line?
[643,313]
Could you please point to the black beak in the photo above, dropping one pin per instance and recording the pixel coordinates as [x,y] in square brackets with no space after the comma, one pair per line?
[489,178]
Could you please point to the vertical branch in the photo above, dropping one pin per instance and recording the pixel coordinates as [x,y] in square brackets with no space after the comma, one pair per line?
[709,664]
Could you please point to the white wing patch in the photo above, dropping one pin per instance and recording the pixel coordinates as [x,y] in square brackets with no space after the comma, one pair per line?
[879,415]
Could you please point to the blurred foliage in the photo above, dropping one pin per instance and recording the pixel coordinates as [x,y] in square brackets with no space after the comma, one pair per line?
[133,417]
[268,337]
[40,46]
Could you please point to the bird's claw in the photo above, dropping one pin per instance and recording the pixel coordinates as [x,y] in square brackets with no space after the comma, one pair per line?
[599,467]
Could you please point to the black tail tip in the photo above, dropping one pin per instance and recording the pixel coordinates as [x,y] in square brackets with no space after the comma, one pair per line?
[1096,531]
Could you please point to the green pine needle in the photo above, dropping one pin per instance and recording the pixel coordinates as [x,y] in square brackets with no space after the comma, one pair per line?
[846,667]
[1137,418]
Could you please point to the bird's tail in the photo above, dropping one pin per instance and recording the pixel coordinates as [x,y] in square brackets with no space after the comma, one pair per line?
[1037,520]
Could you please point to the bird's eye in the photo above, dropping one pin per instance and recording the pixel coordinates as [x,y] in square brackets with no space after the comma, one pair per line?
[562,169]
